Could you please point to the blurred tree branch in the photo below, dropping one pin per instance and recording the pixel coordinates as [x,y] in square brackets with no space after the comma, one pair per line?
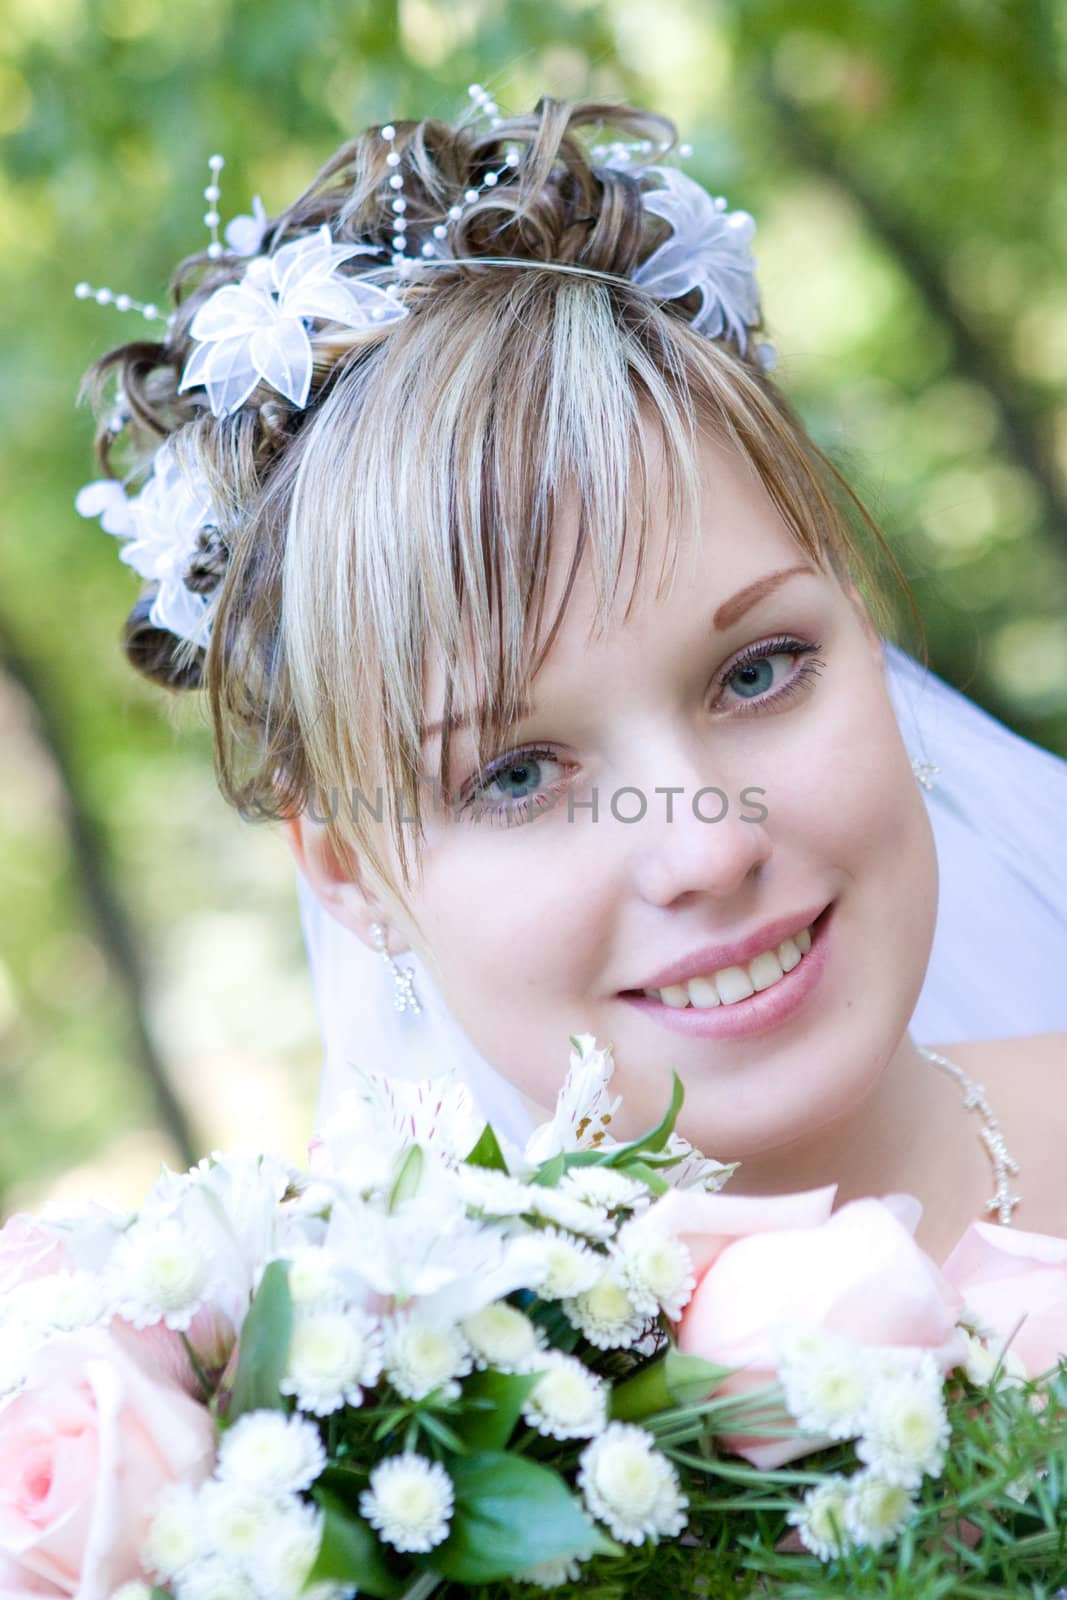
[808,146]
[106,909]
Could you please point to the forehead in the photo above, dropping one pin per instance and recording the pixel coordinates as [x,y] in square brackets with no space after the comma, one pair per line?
[735,536]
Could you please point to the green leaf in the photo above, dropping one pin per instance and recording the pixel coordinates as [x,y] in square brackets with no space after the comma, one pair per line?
[499,1398]
[350,1553]
[675,1379]
[487,1152]
[657,1138]
[511,1513]
[646,1175]
[264,1346]
[550,1172]
[406,1182]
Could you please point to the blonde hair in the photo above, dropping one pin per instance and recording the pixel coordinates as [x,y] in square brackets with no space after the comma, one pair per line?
[409,511]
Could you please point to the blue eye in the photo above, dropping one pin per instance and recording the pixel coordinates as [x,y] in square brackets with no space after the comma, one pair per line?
[752,676]
[522,788]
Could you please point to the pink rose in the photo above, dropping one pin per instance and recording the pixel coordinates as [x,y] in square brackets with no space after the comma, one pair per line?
[85,1450]
[787,1261]
[28,1250]
[1006,1276]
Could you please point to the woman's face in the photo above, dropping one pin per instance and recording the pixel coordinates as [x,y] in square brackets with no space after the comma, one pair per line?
[738,743]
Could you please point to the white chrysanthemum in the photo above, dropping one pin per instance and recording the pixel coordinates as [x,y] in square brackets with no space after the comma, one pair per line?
[551,1574]
[235,1519]
[906,1432]
[827,1386]
[213,1579]
[606,1314]
[568,1402]
[876,1511]
[492,1194]
[656,1268]
[333,1353]
[136,1589]
[630,1486]
[175,1534]
[159,1272]
[409,1502]
[503,1337]
[63,1302]
[567,1211]
[605,1188]
[422,1355]
[313,1278]
[895,1363]
[287,1553]
[821,1521]
[572,1267]
[267,1453]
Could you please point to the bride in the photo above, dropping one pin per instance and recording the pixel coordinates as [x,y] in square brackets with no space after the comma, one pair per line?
[525,602]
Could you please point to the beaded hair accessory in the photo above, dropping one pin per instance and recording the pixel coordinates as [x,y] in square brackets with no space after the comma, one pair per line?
[256,331]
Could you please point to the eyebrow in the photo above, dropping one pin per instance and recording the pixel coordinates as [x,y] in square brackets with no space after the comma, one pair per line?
[726,616]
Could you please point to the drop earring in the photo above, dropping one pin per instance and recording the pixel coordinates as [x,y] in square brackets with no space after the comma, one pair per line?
[923,771]
[404,997]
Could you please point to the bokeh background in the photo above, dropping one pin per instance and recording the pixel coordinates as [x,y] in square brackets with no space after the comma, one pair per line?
[905,163]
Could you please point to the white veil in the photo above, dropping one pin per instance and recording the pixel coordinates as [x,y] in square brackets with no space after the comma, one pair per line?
[998,967]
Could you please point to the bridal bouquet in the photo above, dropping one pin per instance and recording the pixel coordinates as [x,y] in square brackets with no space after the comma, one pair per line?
[434,1363]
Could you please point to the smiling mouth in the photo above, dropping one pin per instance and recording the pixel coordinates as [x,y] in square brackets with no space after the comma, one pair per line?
[728,986]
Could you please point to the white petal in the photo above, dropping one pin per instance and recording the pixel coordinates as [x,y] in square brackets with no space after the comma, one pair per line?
[358,305]
[282,356]
[244,234]
[106,499]
[230,374]
[233,309]
[179,611]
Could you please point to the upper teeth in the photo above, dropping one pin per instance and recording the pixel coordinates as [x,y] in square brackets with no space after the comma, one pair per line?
[731,984]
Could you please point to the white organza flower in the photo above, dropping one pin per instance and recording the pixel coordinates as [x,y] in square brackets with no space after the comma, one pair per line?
[409,1502]
[876,1511]
[906,1431]
[568,1402]
[631,1487]
[160,527]
[175,1534]
[253,331]
[822,1520]
[656,1268]
[606,1314]
[333,1354]
[571,1266]
[584,1109]
[503,1337]
[708,251]
[422,1355]
[267,1453]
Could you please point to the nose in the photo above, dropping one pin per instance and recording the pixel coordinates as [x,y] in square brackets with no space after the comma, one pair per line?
[715,843]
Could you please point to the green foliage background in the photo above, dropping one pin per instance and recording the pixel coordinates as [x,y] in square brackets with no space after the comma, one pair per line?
[905,163]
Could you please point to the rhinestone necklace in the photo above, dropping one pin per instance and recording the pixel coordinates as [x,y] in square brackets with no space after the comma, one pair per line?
[1003,1201]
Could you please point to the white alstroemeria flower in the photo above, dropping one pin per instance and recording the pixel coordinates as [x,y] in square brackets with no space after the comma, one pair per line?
[696,1171]
[254,331]
[244,234]
[383,1114]
[583,1108]
[707,250]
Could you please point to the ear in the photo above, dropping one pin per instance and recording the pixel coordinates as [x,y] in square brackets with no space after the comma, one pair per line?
[344,896]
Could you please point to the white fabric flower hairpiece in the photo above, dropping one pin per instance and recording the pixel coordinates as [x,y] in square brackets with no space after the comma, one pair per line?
[160,527]
[254,331]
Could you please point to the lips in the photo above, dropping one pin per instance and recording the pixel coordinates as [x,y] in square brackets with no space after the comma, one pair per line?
[712,958]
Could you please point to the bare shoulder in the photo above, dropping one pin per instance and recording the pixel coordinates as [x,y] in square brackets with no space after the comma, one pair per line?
[1031,1054]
